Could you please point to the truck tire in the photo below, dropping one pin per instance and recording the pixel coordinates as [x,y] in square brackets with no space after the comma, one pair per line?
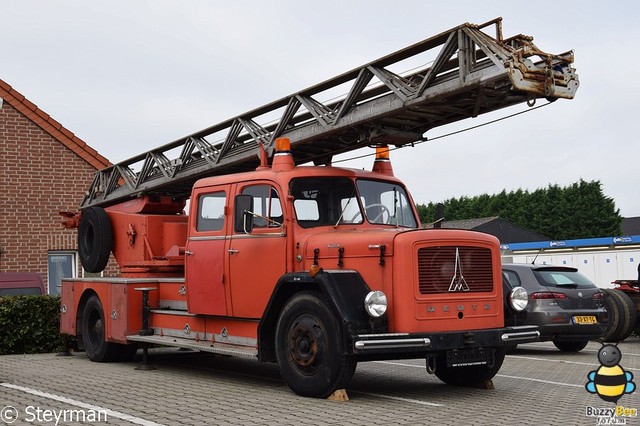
[621,316]
[93,334]
[94,239]
[309,347]
[471,375]
[570,345]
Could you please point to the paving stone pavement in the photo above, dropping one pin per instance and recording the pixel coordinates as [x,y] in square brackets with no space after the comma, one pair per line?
[537,385]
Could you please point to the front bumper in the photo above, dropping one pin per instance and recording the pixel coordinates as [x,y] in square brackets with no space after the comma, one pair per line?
[414,345]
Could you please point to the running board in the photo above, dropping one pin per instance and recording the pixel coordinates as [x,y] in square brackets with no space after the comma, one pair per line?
[204,346]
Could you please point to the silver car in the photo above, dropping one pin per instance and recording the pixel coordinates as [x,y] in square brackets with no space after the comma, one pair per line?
[566,306]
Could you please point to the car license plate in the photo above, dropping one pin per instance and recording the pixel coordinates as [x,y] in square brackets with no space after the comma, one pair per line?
[585,319]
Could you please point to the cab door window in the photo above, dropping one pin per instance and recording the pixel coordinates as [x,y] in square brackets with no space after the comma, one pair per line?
[266,206]
[211,211]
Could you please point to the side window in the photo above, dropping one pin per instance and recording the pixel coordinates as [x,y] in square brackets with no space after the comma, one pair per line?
[512,278]
[266,206]
[211,211]
[306,209]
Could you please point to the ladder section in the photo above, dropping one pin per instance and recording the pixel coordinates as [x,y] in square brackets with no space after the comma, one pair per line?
[458,74]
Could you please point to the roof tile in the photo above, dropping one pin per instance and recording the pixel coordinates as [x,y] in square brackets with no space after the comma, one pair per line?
[67,133]
[29,104]
[53,122]
[79,142]
[17,95]
[90,150]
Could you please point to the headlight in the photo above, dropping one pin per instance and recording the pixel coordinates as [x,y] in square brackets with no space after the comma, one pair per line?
[518,299]
[375,303]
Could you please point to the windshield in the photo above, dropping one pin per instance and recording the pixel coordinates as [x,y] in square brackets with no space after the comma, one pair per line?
[385,203]
[335,201]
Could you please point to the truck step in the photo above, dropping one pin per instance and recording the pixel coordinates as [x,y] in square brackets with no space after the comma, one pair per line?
[204,346]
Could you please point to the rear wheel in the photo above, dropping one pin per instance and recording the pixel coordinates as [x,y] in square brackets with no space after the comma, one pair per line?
[621,316]
[309,347]
[570,345]
[93,336]
[471,375]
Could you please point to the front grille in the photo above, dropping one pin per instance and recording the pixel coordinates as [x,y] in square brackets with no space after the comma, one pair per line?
[454,269]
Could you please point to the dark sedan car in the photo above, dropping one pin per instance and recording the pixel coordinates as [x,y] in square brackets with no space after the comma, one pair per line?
[565,304]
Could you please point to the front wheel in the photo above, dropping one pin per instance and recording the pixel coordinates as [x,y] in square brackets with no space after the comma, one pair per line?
[470,375]
[309,347]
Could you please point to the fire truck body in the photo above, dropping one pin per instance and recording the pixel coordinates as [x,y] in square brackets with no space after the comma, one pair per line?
[313,267]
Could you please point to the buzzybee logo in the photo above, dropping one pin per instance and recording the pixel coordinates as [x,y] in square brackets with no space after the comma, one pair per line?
[610,381]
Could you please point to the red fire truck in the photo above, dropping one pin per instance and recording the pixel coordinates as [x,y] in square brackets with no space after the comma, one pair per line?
[314,267]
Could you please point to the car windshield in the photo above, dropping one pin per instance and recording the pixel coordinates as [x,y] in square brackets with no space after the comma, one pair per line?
[321,201]
[563,278]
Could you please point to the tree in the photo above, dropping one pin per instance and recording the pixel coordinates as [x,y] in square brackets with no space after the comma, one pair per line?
[580,210]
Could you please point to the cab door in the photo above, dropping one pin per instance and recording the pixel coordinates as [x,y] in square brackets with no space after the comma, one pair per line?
[205,252]
[257,259]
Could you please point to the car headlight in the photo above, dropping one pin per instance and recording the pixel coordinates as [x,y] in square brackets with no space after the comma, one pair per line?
[375,304]
[518,299]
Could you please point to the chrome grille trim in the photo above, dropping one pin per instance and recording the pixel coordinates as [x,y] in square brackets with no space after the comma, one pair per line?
[445,269]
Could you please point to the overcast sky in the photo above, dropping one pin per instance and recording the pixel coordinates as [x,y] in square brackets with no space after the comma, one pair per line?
[129,76]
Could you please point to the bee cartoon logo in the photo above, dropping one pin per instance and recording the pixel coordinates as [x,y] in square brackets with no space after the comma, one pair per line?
[610,381]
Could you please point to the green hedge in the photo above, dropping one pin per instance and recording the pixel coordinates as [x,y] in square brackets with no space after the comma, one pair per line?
[30,324]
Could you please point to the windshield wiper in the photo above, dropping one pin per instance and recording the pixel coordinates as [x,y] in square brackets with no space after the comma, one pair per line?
[344,209]
[395,205]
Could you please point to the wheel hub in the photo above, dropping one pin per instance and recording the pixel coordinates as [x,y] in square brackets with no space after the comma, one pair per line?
[303,343]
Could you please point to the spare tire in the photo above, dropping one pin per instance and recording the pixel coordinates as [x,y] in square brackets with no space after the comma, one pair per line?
[94,239]
[621,316]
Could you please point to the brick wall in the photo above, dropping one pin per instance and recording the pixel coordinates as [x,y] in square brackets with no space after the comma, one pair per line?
[39,177]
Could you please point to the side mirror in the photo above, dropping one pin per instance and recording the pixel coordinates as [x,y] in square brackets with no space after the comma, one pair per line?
[242,215]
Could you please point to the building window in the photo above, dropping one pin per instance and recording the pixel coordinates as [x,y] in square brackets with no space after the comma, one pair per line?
[86,274]
[60,264]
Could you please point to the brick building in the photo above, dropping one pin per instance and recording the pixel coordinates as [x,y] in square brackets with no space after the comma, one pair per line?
[44,169]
